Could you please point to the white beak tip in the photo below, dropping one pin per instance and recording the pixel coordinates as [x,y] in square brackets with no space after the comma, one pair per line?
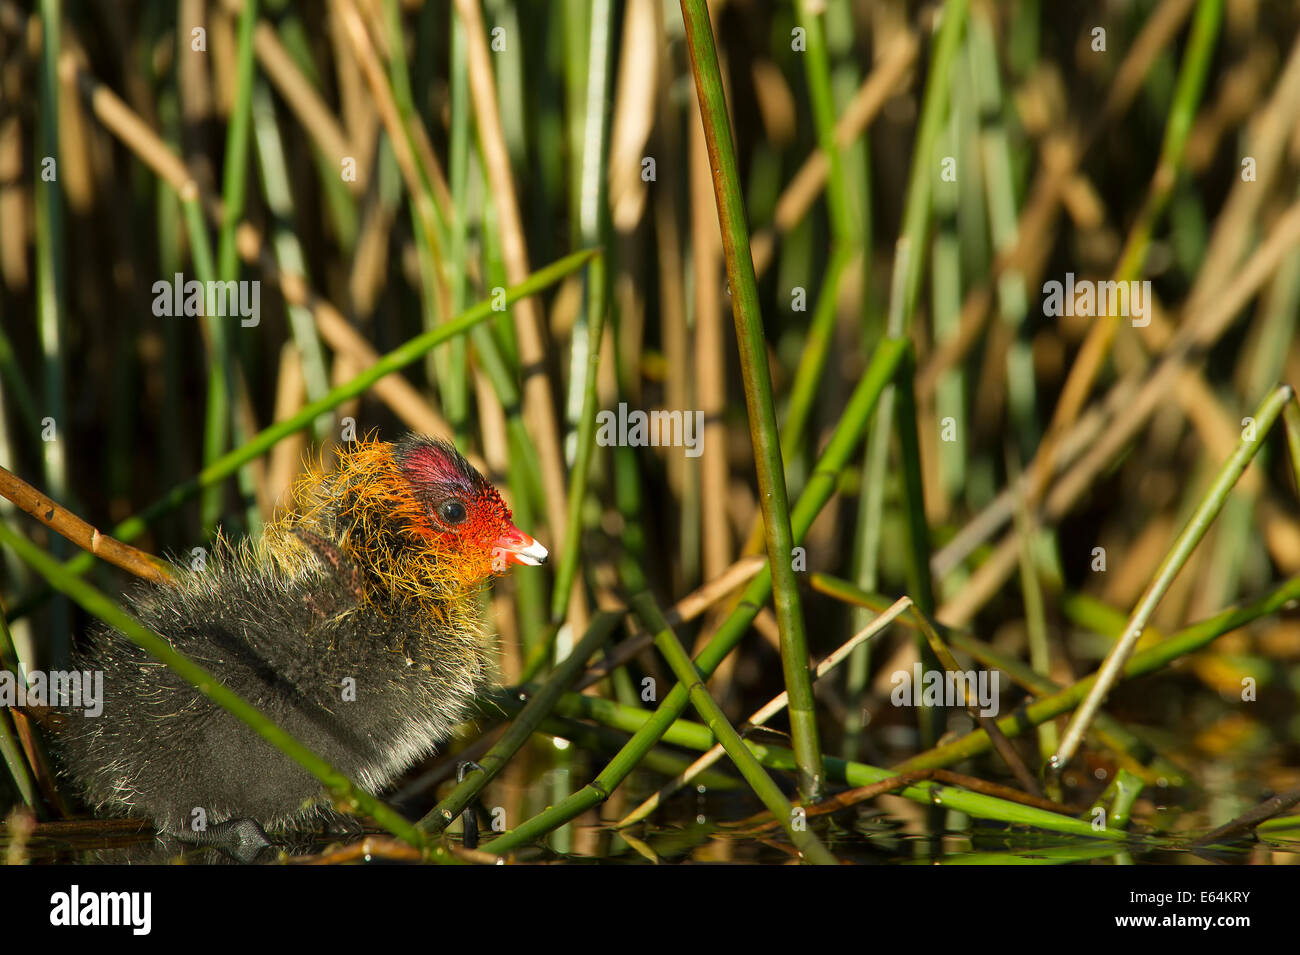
[534,555]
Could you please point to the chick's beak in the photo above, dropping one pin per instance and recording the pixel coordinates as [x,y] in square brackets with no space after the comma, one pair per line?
[518,548]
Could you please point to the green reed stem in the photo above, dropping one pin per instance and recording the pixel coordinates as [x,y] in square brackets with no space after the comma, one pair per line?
[763,431]
[234,189]
[14,757]
[916,210]
[818,72]
[811,371]
[288,250]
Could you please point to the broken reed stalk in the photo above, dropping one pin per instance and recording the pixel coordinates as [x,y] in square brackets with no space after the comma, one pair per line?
[86,536]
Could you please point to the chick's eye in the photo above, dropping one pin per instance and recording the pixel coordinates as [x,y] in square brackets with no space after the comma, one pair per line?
[452,512]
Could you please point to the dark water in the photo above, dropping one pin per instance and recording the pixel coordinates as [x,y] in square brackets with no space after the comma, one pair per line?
[704,824]
[863,835]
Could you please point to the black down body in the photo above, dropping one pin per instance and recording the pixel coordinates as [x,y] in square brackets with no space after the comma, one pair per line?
[371,689]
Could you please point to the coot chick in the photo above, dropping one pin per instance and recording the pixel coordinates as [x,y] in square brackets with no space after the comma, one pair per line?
[353,622]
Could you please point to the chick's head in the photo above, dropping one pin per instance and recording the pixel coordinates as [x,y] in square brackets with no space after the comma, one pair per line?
[457,516]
